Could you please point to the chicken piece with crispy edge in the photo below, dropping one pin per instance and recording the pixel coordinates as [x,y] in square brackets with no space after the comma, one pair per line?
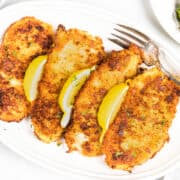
[74,50]
[22,41]
[141,127]
[27,38]
[84,132]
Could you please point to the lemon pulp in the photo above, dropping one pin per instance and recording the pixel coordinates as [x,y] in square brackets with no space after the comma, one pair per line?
[32,77]
[69,91]
[110,106]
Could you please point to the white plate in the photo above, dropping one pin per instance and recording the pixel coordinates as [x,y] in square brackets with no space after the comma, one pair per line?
[2,2]
[19,137]
[164,10]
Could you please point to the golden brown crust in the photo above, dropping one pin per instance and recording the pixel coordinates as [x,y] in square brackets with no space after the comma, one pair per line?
[141,126]
[74,50]
[46,120]
[13,104]
[84,132]
[28,38]
[15,55]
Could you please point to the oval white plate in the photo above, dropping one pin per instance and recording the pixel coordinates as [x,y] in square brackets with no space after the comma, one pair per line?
[19,137]
[163,10]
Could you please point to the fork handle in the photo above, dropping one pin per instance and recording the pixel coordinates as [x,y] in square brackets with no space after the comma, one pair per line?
[169,65]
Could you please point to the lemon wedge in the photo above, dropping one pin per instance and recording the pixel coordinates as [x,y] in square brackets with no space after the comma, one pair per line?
[69,91]
[110,106]
[32,77]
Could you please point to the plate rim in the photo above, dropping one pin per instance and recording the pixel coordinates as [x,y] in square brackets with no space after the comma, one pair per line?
[168,31]
[156,174]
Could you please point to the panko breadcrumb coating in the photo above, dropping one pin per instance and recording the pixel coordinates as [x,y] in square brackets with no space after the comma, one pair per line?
[84,131]
[74,50]
[141,127]
[22,41]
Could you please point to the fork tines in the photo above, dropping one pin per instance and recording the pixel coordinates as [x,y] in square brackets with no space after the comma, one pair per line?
[127,35]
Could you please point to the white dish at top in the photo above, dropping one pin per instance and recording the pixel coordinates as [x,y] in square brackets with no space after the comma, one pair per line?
[164,12]
[19,136]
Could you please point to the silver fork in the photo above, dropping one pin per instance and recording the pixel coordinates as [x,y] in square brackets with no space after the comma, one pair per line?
[154,55]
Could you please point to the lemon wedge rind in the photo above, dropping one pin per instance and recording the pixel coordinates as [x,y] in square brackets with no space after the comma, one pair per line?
[110,106]
[32,76]
[71,88]
[69,92]
[66,117]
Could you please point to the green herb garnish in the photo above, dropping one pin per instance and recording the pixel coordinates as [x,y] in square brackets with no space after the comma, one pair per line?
[118,154]
[163,122]
[178,13]
[134,154]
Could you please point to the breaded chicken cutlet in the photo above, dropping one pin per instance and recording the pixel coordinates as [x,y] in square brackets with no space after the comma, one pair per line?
[22,41]
[74,50]
[84,132]
[141,127]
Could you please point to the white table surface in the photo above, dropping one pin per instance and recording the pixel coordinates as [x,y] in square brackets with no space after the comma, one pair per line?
[12,166]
